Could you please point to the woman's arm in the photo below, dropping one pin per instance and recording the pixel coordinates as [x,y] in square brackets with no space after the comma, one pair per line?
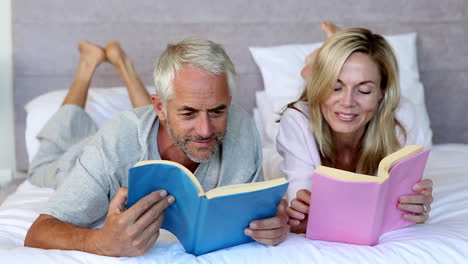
[296,144]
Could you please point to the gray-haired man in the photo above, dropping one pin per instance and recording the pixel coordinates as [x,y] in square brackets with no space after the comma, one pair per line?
[191,122]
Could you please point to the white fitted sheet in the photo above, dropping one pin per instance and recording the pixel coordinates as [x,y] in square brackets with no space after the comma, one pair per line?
[443,239]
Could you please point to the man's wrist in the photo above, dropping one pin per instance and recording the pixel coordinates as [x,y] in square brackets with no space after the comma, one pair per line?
[92,242]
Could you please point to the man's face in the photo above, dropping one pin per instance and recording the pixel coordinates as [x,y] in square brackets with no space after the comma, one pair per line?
[197,113]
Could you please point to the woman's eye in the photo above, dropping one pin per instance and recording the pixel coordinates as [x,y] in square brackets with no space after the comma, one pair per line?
[337,89]
[364,92]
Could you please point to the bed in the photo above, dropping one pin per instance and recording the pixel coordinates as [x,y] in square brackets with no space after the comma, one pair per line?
[268,44]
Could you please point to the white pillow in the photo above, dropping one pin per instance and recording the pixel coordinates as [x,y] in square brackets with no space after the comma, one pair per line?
[269,109]
[102,104]
[280,67]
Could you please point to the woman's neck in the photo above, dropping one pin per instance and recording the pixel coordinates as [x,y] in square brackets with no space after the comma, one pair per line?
[347,159]
[347,152]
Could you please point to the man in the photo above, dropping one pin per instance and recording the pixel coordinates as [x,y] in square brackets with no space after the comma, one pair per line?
[192,122]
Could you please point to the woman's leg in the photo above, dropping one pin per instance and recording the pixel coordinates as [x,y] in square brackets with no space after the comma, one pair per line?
[91,56]
[139,96]
[329,28]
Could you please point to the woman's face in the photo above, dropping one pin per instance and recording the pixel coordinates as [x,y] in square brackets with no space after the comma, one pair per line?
[355,97]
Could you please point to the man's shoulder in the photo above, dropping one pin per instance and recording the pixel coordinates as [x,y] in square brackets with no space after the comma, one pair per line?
[138,114]
[122,136]
[131,119]
[238,115]
[240,122]
[241,132]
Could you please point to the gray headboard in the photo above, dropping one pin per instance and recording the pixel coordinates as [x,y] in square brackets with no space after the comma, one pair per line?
[46,34]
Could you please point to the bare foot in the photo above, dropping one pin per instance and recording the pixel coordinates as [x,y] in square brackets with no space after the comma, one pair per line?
[115,54]
[329,28]
[91,53]
[311,57]
[124,66]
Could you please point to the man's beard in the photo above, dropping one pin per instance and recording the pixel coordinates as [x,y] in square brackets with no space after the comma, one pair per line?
[182,144]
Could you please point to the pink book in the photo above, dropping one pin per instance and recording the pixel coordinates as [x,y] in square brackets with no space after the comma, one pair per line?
[356,208]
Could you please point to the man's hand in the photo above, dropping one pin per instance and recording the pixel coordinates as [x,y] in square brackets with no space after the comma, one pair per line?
[299,211]
[134,231]
[270,231]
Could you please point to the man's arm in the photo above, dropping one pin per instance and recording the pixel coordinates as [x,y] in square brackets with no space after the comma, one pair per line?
[125,232]
[273,230]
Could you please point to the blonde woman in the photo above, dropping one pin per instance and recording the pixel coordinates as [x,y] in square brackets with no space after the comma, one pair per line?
[345,119]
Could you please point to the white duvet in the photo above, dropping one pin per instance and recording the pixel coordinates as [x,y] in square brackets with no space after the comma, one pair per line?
[443,239]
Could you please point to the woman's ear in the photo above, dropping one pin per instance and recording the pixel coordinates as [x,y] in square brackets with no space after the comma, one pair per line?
[382,95]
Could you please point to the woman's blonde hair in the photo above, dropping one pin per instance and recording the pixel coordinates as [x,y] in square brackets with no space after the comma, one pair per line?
[380,137]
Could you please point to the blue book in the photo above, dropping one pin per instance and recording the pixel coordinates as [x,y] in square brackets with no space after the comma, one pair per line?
[205,221]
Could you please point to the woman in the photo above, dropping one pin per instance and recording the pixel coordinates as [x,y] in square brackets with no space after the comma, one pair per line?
[345,119]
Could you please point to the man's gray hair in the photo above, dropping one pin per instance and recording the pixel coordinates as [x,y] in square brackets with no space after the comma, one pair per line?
[199,53]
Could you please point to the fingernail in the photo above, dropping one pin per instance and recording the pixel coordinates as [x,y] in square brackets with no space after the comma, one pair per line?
[247,231]
[253,225]
[163,193]
[171,199]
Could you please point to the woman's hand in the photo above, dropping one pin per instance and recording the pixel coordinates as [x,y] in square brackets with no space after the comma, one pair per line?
[298,211]
[418,205]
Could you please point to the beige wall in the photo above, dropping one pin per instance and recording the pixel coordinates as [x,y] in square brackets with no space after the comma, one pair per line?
[7,150]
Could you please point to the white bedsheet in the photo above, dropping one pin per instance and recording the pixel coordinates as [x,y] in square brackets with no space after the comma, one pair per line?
[443,239]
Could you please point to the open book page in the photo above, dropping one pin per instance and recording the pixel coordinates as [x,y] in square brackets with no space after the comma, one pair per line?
[388,162]
[192,177]
[244,188]
[384,167]
[220,191]
[346,175]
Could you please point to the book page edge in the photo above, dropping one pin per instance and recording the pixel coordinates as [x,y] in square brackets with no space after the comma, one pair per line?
[192,177]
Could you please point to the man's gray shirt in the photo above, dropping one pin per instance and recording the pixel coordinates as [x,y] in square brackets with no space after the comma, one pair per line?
[102,168]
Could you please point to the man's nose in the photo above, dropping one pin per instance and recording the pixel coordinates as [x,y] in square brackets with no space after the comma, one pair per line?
[204,127]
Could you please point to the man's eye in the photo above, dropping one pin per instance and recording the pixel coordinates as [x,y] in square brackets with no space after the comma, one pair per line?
[216,113]
[187,114]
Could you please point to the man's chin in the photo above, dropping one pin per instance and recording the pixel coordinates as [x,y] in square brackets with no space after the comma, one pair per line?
[201,156]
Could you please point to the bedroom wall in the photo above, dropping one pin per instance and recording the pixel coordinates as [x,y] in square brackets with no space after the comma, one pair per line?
[145,27]
[7,152]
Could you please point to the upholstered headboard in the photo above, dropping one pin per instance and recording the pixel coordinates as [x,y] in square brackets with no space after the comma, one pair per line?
[46,34]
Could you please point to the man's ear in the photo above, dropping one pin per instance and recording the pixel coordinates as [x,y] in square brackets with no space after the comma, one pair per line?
[158,107]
